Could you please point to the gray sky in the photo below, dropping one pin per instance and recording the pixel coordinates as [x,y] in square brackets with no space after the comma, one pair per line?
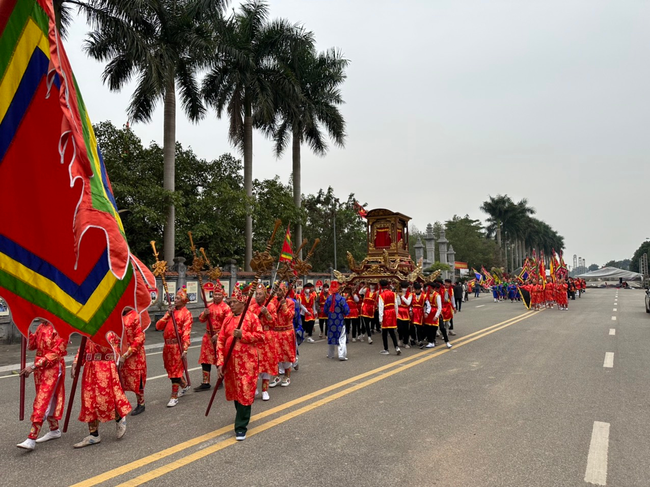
[448,102]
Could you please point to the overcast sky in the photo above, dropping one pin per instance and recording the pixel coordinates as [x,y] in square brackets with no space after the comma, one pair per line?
[448,102]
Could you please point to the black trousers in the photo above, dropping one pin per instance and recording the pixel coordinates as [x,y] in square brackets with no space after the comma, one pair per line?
[366,325]
[322,324]
[309,327]
[403,330]
[459,302]
[353,324]
[384,336]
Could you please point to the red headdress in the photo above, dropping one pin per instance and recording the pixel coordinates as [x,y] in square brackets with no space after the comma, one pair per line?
[334,288]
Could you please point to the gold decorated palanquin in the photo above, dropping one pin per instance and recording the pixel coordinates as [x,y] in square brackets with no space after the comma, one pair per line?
[388,251]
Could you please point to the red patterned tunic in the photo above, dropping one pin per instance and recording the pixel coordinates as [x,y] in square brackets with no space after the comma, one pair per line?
[268,350]
[322,312]
[549,292]
[49,370]
[218,313]
[240,376]
[285,336]
[171,352]
[101,392]
[133,371]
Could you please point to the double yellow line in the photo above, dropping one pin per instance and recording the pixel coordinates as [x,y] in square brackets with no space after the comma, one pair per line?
[406,363]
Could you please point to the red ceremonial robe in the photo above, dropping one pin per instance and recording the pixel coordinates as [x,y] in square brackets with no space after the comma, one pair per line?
[285,336]
[268,349]
[49,370]
[390,314]
[218,313]
[171,352]
[240,376]
[101,392]
[133,370]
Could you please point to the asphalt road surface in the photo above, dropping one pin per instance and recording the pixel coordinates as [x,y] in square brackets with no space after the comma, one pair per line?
[523,398]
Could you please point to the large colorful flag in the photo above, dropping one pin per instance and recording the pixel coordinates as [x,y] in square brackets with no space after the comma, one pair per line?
[489,280]
[479,276]
[286,254]
[63,252]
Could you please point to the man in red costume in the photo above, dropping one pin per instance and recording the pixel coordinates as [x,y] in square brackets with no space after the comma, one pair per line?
[213,317]
[322,312]
[285,337]
[102,397]
[133,362]
[561,295]
[549,293]
[403,314]
[419,305]
[448,306]
[173,353]
[240,374]
[388,316]
[49,377]
[268,351]
[368,307]
[308,303]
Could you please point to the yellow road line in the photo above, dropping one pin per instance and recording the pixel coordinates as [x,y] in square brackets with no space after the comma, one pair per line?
[186,460]
[126,468]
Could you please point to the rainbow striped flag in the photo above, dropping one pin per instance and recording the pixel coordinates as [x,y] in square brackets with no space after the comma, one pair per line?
[63,252]
[286,254]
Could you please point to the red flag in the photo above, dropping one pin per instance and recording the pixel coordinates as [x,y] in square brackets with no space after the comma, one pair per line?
[361,211]
[286,255]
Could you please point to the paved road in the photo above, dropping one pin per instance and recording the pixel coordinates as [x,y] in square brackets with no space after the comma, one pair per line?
[522,399]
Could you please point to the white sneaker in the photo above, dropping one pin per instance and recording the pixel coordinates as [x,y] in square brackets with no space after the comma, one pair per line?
[354,340]
[384,352]
[28,444]
[430,345]
[183,391]
[369,341]
[407,346]
[50,435]
[452,333]
[343,359]
[257,393]
[448,344]
[276,380]
[87,441]
[121,427]
[265,396]
[172,402]
[398,351]
[310,340]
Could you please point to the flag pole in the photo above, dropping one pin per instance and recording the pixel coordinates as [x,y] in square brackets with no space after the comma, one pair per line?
[159,269]
[75,379]
[23,364]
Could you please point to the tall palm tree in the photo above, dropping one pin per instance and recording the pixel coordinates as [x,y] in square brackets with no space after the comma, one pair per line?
[305,117]
[243,79]
[162,43]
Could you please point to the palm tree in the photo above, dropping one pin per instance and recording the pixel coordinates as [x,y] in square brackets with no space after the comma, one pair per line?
[243,79]
[163,43]
[318,77]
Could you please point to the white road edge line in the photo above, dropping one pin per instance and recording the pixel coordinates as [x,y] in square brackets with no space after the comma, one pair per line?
[596,472]
[609,360]
[612,331]
[480,305]
[614,309]
[613,318]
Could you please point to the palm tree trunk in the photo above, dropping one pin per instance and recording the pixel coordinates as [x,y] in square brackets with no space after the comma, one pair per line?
[499,243]
[169,160]
[297,189]
[248,181]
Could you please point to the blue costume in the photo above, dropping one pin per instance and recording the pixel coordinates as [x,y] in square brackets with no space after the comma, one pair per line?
[512,291]
[495,292]
[336,325]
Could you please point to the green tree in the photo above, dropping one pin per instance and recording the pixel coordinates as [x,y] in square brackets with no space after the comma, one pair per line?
[644,248]
[209,196]
[243,82]
[437,266]
[305,113]
[321,211]
[163,43]
[470,242]
[593,267]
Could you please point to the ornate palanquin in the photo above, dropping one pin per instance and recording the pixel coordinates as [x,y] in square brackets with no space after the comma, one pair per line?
[388,251]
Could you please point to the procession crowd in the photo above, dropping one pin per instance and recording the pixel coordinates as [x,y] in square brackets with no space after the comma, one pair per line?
[260,347]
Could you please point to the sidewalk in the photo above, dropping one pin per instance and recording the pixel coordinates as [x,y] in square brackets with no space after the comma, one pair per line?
[10,354]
